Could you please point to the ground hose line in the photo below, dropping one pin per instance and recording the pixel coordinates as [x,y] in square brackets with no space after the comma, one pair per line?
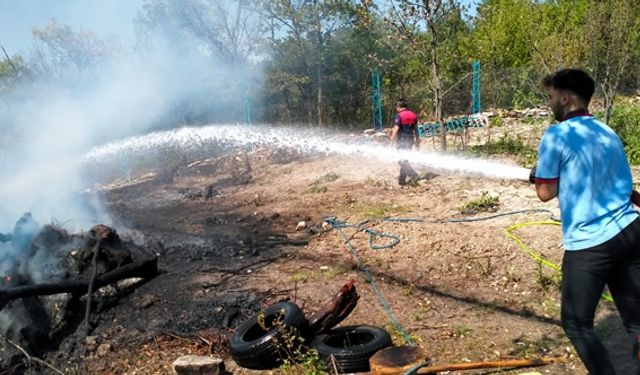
[372,234]
[340,225]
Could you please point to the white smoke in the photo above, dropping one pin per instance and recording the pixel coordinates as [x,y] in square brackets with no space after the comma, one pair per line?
[50,124]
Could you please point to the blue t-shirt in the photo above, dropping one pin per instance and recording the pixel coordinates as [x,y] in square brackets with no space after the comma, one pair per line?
[594,180]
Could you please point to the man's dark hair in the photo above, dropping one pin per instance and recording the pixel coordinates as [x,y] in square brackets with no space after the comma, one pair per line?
[402,103]
[575,80]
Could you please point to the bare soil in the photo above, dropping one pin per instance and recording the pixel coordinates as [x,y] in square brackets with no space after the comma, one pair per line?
[463,291]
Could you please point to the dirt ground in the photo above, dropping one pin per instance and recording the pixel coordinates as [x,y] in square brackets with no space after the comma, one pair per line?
[463,291]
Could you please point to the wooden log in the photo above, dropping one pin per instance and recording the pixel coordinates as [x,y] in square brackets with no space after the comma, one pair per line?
[145,269]
[513,363]
[335,310]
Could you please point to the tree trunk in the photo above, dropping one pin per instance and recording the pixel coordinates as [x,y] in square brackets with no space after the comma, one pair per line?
[438,83]
[320,102]
[608,103]
[319,63]
[309,110]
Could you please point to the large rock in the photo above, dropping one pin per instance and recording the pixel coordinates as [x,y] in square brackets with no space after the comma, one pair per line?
[198,365]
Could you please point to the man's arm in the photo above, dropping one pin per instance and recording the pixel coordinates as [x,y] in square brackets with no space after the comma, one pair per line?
[416,135]
[546,189]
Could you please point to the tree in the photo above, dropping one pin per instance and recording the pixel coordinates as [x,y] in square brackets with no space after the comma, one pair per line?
[60,52]
[308,26]
[612,31]
[12,71]
[216,41]
[418,23]
[228,30]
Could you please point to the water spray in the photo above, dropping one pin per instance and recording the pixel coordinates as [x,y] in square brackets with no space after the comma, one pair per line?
[205,140]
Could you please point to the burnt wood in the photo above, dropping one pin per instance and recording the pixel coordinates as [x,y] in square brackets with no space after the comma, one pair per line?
[145,269]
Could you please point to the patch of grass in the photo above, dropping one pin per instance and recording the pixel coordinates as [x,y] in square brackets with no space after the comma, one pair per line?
[304,362]
[380,210]
[526,347]
[332,272]
[420,314]
[554,280]
[317,186]
[397,337]
[512,275]
[296,358]
[487,269]
[508,144]
[484,203]
[328,177]
[462,331]
[535,120]
[551,307]
[408,289]
[303,275]
[317,189]
[370,181]
[496,122]
[625,120]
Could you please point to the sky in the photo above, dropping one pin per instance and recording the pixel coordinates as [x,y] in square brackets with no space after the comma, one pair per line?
[103,17]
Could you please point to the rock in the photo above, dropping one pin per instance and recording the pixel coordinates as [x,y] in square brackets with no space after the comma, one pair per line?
[210,192]
[325,225]
[146,301]
[301,225]
[493,194]
[369,131]
[103,350]
[91,343]
[198,365]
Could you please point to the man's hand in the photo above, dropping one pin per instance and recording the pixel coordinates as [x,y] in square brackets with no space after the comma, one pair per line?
[532,174]
[394,135]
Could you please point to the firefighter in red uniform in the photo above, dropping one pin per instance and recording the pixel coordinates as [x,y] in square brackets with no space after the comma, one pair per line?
[405,136]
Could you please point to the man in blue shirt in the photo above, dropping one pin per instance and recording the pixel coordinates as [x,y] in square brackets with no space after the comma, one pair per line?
[582,162]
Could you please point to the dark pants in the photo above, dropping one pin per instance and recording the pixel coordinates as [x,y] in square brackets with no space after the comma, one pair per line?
[584,275]
[406,170]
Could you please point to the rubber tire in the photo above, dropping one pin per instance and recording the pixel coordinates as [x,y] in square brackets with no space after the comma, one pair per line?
[253,347]
[351,346]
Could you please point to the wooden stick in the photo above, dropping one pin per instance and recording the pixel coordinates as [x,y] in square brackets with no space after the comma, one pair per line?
[145,269]
[94,272]
[30,358]
[514,363]
[334,365]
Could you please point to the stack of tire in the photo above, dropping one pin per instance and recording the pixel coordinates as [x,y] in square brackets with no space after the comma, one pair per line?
[258,343]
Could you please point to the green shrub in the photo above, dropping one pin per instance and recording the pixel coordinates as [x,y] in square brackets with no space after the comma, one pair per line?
[496,122]
[486,202]
[508,144]
[625,120]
